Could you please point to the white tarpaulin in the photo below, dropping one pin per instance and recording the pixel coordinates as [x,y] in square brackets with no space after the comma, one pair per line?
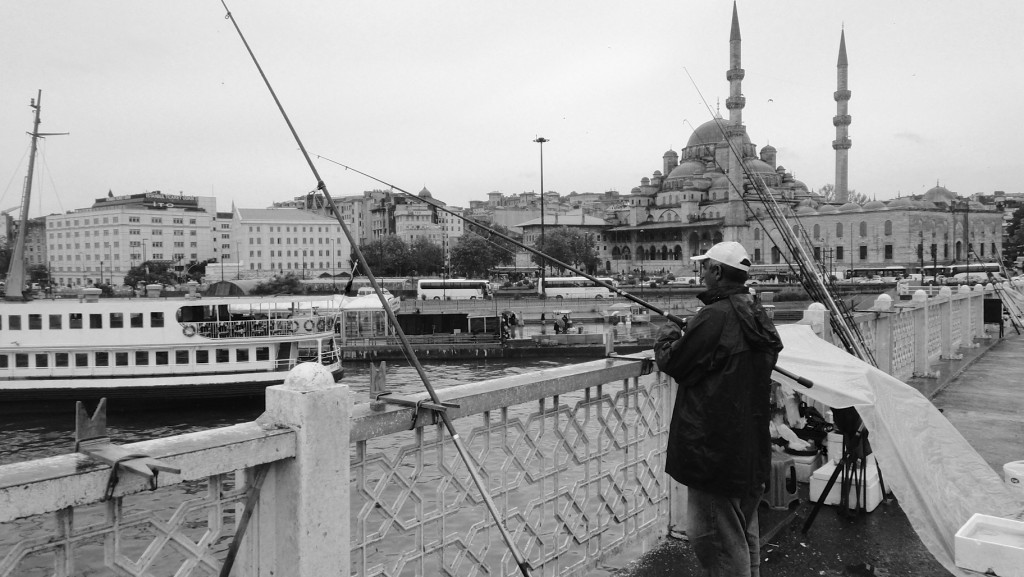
[939,479]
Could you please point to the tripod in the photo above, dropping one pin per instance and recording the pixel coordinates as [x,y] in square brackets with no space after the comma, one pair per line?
[851,470]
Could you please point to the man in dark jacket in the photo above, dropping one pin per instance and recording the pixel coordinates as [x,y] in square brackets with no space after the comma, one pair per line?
[719,445]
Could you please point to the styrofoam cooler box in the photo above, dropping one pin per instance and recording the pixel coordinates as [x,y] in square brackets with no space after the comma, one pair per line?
[990,545]
[805,466]
[1013,475]
[834,446]
[874,493]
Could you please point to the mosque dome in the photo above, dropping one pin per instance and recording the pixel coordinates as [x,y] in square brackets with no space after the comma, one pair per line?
[687,169]
[902,202]
[670,153]
[807,202]
[850,207]
[768,148]
[975,205]
[799,185]
[636,190]
[425,193]
[806,210]
[940,194]
[711,132]
[757,165]
[657,173]
[875,205]
[828,209]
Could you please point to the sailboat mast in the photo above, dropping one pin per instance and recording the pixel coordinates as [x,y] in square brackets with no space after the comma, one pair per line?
[16,268]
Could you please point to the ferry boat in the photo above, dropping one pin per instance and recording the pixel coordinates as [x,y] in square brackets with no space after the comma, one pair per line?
[149,350]
[156,349]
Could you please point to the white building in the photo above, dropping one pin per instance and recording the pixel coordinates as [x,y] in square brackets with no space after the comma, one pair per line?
[103,242]
[281,240]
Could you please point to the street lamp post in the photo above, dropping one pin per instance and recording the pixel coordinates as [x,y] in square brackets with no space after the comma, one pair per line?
[101,272]
[642,254]
[541,140]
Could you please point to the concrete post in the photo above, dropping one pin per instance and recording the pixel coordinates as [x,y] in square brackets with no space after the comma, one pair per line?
[301,526]
[920,316]
[946,330]
[676,490]
[883,332]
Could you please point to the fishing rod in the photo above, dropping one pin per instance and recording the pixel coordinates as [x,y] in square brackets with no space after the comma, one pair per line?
[410,354]
[674,318]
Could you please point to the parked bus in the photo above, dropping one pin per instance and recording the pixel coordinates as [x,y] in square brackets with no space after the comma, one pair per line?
[575,287]
[452,289]
[974,267]
[876,274]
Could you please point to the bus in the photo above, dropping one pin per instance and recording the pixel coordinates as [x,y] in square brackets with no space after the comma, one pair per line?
[452,289]
[884,274]
[575,287]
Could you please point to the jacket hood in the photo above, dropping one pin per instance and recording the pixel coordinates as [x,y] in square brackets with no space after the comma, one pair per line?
[757,327]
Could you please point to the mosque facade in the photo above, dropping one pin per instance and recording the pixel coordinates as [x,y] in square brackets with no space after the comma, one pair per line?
[706,193]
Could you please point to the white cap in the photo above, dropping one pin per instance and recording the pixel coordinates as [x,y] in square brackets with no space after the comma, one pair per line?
[730,253]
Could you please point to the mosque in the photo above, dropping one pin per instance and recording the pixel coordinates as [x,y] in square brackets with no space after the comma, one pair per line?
[704,194]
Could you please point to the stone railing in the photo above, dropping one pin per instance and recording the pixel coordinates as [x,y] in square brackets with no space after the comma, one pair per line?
[572,457]
[907,337]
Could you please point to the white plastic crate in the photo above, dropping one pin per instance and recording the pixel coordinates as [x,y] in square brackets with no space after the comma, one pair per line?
[991,545]
[874,489]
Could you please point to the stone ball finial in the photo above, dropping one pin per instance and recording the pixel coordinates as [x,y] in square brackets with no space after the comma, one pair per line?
[964,289]
[945,291]
[883,303]
[920,296]
[309,377]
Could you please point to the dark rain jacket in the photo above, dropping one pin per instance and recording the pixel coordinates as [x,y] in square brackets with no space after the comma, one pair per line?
[719,440]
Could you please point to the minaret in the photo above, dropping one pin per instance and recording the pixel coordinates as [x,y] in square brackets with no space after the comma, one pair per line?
[735,131]
[842,123]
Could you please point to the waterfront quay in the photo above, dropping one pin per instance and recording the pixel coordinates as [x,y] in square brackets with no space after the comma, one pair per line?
[572,456]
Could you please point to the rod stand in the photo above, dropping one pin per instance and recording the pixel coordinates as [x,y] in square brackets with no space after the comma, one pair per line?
[434,408]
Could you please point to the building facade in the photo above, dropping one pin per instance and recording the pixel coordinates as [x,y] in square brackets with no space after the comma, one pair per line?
[272,241]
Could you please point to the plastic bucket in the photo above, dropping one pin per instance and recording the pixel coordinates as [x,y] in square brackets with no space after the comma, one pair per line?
[1013,475]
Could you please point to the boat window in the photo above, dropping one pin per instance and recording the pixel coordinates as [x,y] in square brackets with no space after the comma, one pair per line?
[135,320]
[181,357]
[75,320]
[202,357]
[14,322]
[121,359]
[162,357]
[223,355]
[35,322]
[42,360]
[156,319]
[262,353]
[102,359]
[81,359]
[96,321]
[242,355]
[141,358]
[56,321]
[21,360]
[3,361]
[117,320]
[60,359]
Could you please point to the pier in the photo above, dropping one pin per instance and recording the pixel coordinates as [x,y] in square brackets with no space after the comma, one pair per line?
[573,457]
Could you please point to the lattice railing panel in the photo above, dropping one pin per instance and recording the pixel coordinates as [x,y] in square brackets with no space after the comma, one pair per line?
[903,345]
[934,311]
[182,530]
[956,323]
[866,328]
[575,476]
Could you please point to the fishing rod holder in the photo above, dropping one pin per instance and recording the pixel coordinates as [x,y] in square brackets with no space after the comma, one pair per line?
[646,363]
[92,441]
[417,405]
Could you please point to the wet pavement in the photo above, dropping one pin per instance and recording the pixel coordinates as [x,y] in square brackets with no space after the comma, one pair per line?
[977,393]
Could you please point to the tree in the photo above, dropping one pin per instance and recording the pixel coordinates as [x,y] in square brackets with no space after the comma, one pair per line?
[150,272]
[425,258]
[570,246]
[38,273]
[1014,238]
[287,284]
[387,256]
[473,256]
[828,192]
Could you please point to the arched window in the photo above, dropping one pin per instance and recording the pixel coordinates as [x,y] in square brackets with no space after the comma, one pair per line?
[757,234]
[817,231]
[839,230]
[888,228]
[863,228]
[677,253]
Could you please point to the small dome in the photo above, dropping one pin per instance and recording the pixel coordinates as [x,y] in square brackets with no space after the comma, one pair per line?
[670,153]
[687,169]
[425,193]
[657,173]
[798,185]
[850,207]
[645,181]
[940,194]
[828,209]
[807,202]
[901,202]
[768,148]
[875,205]
[806,210]
[636,190]
[757,165]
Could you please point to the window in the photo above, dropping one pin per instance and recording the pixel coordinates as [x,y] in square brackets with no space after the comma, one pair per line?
[60,359]
[74,320]
[42,360]
[888,252]
[863,252]
[242,355]
[181,357]
[141,358]
[839,230]
[56,321]
[35,322]
[262,353]
[136,320]
[223,355]
[4,362]
[888,228]
[81,359]
[156,320]
[14,322]
[839,253]
[117,320]
[202,357]
[863,228]
[121,359]
[817,253]
[21,360]
[102,359]
[95,320]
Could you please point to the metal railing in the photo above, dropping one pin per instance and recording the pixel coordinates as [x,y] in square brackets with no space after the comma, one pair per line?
[260,328]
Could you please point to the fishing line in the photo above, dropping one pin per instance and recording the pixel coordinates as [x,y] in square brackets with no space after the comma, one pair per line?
[410,354]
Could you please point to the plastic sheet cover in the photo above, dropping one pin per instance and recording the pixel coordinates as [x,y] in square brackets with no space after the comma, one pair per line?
[938,478]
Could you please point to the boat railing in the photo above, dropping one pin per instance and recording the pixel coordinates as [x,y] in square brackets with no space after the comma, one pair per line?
[236,329]
[433,339]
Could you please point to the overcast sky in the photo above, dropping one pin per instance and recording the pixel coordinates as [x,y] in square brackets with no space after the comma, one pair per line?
[161,95]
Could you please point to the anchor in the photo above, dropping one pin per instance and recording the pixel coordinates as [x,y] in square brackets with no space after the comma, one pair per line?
[92,441]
